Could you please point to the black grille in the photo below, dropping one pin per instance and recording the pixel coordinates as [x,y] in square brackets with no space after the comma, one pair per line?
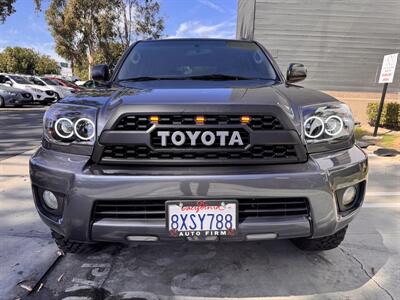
[258,122]
[155,209]
[144,152]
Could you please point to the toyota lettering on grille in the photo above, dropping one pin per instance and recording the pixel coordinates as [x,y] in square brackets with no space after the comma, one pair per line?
[207,138]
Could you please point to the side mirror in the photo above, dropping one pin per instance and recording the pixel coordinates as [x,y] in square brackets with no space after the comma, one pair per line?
[100,73]
[296,72]
[9,83]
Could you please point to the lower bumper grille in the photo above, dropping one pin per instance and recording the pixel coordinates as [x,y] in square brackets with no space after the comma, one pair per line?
[155,209]
[143,152]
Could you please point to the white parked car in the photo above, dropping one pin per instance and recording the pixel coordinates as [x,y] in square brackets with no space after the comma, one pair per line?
[60,91]
[39,94]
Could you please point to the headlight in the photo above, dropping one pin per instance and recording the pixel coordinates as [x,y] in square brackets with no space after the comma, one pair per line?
[66,124]
[329,123]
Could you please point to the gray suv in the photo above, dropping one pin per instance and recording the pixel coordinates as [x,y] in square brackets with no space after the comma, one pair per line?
[198,140]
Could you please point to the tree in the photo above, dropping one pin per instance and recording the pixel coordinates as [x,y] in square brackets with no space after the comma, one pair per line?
[149,23]
[27,61]
[139,19]
[64,32]
[18,60]
[97,31]
[46,65]
[7,8]
[115,52]
[82,27]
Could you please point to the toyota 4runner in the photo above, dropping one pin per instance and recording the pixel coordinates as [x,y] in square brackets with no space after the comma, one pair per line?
[198,140]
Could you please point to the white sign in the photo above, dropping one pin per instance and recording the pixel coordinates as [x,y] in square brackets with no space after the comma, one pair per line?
[388,68]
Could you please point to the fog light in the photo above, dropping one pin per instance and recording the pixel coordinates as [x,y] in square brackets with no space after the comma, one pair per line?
[50,200]
[349,195]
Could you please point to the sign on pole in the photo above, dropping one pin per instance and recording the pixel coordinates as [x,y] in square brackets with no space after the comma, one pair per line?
[388,68]
[386,77]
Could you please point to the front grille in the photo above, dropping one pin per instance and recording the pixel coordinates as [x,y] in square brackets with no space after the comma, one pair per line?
[155,209]
[142,122]
[134,139]
[255,152]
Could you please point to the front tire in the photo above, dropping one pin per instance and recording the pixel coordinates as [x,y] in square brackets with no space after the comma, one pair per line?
[68,246]
[321,244]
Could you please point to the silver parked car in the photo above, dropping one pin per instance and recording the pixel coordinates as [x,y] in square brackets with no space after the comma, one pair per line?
[14,96]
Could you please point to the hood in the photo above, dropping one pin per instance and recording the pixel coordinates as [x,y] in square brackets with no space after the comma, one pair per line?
[206,99]
[42,88]
[29,88]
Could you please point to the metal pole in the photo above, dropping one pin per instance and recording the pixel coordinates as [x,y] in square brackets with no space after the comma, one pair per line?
[378,117]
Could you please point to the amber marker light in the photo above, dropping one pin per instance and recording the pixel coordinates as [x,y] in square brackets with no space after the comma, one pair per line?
[245,119]
[200,119]
[154,119]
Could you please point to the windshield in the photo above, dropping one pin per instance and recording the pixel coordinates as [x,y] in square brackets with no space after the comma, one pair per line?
[20,80]
[187,59]
[49,81]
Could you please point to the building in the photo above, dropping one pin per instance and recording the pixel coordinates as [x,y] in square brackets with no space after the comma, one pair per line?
[66,70]
[341,42]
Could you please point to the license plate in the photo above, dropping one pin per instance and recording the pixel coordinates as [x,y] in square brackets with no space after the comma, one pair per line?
[208,218]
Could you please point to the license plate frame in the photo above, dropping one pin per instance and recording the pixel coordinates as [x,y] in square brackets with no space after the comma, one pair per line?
[199,208]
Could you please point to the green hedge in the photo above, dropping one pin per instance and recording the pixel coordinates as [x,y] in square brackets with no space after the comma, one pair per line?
[390,117]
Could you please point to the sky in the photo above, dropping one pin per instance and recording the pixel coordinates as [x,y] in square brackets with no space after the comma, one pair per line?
[183,18]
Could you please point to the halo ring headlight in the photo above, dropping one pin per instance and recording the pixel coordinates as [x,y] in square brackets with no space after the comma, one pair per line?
[308,133]
[334,131]
[90,122]
[64,136]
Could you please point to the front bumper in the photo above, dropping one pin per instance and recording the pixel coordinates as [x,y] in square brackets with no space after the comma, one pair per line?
[20,100]
[43,98]
[317,180]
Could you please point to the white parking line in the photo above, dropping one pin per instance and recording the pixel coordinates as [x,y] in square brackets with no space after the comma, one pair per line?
[382,194]
[381,205]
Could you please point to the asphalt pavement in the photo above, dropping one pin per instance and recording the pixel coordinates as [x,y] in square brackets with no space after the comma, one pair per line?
[365,266]
[20,129]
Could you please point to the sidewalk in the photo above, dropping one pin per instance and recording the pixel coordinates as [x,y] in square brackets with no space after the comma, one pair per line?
[26,247]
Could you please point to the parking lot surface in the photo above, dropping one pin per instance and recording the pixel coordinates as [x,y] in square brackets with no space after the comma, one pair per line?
[20,129]
[365,266]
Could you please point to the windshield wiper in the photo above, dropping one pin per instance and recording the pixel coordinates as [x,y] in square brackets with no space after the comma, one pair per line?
[218,77]
[142,78]
[221,77]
